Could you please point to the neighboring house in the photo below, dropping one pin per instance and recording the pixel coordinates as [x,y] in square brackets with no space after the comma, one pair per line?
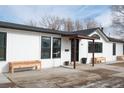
[53,48]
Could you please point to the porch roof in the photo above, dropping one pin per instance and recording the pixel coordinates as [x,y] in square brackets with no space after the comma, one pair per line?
[76,36]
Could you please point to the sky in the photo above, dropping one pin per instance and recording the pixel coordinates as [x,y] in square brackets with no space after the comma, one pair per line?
[22,14]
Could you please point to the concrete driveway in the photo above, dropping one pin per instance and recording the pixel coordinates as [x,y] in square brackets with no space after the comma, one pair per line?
[101,75]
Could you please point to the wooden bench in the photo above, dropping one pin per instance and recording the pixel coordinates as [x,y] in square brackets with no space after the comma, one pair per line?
[24,64]
[99,60]
[120,58]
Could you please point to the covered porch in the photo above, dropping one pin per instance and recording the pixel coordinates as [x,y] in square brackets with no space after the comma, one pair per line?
[74,47]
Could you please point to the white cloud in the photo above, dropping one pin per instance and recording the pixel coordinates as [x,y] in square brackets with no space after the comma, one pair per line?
[26,13]
[23,14]
[105,19]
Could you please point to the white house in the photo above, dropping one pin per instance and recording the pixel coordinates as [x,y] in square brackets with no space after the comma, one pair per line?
[53,48]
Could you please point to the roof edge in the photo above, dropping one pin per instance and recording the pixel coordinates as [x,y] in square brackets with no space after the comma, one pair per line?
[111,39]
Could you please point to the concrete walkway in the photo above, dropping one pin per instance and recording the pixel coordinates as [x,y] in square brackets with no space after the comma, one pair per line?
[3,79]
[5,82]
[111,67]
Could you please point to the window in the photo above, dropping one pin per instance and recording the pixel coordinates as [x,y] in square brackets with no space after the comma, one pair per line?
[123,49]
[2,46]
[46,47]
[114,48]
[56,47]
[98,47]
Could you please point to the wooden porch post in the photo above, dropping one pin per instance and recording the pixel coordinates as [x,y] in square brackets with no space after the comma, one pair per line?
[93,53]
[74,66]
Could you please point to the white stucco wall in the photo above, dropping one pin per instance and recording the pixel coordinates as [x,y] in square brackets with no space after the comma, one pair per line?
[24,45]
[107,49]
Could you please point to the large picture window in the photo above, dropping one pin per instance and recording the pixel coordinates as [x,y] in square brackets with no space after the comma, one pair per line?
[2,46]
[114,48]
[98,47]
[46,47]
[56,47]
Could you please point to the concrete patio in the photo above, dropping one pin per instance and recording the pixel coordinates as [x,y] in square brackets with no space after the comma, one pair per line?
[101,75]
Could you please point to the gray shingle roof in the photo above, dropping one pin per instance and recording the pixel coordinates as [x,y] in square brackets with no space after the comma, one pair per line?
[31,28]
[115,40]
[89,31]
[85,32]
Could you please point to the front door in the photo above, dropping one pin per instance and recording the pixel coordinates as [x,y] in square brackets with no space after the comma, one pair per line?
[72,50]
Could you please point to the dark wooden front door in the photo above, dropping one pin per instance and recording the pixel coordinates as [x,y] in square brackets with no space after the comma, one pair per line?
[72,50]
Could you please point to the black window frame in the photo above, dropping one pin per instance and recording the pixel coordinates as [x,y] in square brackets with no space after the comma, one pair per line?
[45,48]
[98,47]
[4,47]
[123,48]
[59,48]
[114,48]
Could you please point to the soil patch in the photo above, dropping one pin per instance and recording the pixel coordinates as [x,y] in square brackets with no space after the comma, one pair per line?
[106,81]
[52,78]
[111,82]
[66,78]
[104,73]
[7,85]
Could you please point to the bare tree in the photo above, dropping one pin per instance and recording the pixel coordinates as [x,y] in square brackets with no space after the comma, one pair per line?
[31,23]
[78,25]
[118,19]
[57,23]
[51,22]
[71,25]
[68,25]
[91,23]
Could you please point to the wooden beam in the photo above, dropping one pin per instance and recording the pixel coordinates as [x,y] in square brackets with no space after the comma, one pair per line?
[74,65]
[80,37]
[93,53]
